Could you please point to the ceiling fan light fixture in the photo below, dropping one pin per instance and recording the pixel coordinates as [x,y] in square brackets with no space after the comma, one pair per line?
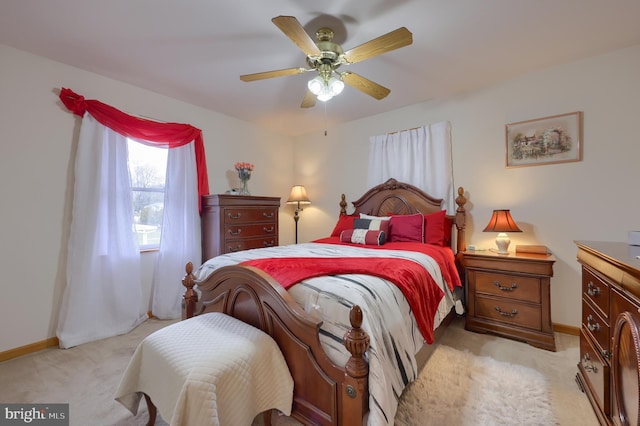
[325,95]
[336,86]
[316,85]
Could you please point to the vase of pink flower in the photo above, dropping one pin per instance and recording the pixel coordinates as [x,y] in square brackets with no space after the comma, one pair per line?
[244,170]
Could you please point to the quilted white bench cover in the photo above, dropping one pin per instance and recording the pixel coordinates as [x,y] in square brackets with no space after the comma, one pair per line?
[208,370]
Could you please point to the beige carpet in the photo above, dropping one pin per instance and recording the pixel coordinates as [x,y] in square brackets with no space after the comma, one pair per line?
[459,388]
[86,377]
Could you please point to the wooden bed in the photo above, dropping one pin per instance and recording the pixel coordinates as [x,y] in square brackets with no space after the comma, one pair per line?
[325,393]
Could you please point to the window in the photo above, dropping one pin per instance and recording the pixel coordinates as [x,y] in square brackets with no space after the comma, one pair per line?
[147,171]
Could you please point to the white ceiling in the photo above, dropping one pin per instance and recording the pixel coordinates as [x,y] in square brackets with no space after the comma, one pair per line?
[195,50]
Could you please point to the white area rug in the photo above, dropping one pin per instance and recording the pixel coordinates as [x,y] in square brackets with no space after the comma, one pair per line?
[459,388]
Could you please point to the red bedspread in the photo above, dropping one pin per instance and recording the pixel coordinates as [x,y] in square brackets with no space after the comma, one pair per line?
[415,282]
[442,255]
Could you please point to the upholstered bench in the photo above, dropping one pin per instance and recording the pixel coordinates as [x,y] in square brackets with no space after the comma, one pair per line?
[211,369]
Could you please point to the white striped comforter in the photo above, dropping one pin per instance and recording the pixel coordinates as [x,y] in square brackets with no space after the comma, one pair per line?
[395,337]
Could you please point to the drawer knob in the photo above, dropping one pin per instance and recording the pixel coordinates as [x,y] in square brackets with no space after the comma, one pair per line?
[235,233]
[234,216]
[592,327]
[514,312]
[587,366]
[269,230]
[592,289]
[269,243]
[236,248]
[268,214]
[513,286]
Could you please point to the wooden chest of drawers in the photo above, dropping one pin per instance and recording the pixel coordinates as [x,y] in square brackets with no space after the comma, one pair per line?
[509,295]
[238,222]
[610,286]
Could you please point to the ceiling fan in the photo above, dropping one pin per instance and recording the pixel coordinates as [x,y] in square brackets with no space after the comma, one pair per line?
[325,57]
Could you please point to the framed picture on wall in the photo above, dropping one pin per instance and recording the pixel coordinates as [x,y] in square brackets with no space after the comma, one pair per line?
[547,140]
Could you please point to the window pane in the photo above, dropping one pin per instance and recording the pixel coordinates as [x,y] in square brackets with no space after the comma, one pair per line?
[147,170]
[148,218]
[147,165]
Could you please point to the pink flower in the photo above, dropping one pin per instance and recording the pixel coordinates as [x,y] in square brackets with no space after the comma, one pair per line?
[244,166]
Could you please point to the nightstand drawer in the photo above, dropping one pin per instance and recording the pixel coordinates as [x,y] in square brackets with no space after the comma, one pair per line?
[510,286]
[509,311]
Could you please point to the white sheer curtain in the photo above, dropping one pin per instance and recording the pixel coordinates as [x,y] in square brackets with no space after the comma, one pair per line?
[420,156]
[103,296]
[180,239]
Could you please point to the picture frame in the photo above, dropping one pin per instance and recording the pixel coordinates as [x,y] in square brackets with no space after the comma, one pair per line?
[546,140]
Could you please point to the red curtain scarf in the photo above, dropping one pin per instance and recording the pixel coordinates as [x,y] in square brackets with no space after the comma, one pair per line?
[165,135]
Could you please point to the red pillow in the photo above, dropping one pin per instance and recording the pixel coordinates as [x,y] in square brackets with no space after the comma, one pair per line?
[434,232]
[363,236]
[344,222]
[406,228]
[448,226]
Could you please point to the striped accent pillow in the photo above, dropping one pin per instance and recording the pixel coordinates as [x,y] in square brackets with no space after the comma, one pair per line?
[363,236]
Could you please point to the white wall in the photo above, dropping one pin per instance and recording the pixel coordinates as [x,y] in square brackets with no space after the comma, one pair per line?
[38,138]
[594,199]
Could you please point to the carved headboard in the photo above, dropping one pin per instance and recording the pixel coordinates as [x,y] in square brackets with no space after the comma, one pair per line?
[394,197]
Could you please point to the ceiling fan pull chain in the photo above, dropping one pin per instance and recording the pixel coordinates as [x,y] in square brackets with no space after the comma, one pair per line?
[325,118]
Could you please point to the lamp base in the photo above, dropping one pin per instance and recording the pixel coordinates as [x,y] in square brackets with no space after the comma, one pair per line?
[503,241]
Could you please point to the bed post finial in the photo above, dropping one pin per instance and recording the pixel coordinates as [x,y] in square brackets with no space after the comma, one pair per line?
[461,200]
[343,204]
[190,297]
[356,340]
[354,394]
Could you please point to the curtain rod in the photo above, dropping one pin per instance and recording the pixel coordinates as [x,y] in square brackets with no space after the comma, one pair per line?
[146,117]
[405,130]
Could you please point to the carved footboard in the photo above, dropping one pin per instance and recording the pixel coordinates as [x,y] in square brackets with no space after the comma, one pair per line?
[324,393]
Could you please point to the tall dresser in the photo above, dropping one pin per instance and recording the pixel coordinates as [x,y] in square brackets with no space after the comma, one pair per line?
[610,286]
[238,222]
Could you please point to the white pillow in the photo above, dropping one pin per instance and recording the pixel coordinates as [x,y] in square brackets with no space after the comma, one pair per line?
[368,216]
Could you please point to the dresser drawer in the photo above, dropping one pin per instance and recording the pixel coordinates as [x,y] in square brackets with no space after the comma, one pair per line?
[246,215]
[510,286]
[596,370]
[595,325]
[250,230]
[596,290]
[509,311]
[238,245]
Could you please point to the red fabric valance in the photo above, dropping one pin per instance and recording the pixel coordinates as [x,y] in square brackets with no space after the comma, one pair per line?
[166,135]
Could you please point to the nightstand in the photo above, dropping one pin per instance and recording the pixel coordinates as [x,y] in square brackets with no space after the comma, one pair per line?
[509,295]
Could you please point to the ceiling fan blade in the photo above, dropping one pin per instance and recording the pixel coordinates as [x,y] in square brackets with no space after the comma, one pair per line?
[394,40]
[365,85]
[309,100]
[272,74]
[292,28]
